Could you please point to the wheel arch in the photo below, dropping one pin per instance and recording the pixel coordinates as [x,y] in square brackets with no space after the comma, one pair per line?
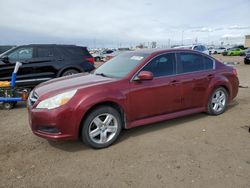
[110,103]
[222,83]
[78,68]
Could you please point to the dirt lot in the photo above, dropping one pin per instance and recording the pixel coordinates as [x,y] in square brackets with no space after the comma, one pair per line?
[194,151]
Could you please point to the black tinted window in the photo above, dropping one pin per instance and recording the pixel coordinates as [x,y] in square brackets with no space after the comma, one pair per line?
[208,63]
[189,62]
[75,50]
[45,52]
[162,65]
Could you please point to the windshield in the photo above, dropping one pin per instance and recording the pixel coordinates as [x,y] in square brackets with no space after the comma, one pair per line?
[121,65]
[6,53]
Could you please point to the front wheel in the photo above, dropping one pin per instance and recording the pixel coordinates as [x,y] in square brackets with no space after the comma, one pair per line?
[218,101]
[102,127]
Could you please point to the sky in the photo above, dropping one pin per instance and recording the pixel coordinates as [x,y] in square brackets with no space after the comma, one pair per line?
[123,23]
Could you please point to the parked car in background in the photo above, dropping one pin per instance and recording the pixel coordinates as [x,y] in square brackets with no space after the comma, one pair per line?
[130,90]
[247,59]
[218,50]
[100,55]
[246,51]
[114,54]
[5,48]
[44,62]
[233,52]
[199,48]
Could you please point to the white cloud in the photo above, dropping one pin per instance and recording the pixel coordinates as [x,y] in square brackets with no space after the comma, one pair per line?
[122,21]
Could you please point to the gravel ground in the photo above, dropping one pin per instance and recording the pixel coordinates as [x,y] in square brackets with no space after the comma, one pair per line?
[193,151]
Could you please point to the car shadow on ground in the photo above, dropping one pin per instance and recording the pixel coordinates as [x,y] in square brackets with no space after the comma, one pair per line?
[137,131]
[76,146]
[69,146]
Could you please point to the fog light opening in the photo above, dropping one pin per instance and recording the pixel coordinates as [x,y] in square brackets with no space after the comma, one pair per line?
[51,130]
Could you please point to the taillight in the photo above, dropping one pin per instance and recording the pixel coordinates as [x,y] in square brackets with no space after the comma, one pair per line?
[91,60]
[235,72]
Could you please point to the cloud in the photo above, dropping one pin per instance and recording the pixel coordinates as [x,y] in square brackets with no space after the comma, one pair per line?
[113,21]
[232,36]
[237,27]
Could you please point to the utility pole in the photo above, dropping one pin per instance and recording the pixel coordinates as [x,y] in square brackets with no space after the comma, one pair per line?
[182,37]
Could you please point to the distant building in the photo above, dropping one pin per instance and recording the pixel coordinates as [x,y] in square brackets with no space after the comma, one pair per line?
[247,41]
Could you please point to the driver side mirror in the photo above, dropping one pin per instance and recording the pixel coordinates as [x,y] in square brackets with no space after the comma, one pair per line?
[144,75]
[5,59]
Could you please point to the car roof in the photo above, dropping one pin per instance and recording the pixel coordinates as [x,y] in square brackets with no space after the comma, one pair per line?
[154,51]
[51,45]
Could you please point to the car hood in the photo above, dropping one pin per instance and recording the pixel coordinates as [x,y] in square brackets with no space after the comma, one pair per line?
[63,84]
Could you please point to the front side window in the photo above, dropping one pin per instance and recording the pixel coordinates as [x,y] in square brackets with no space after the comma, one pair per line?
[163,65]
[189,62]
[21,54]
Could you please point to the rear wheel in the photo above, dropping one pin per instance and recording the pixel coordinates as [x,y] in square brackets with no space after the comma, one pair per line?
[102,127]
[218,101]
[8,105]
[70,72]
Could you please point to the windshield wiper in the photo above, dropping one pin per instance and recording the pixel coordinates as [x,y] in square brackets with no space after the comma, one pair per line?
[101,74]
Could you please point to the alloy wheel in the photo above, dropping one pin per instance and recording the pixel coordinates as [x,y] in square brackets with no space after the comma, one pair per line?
[219,101]
[103,128]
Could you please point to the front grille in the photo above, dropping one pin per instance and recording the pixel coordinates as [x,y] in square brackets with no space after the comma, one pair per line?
[33,98]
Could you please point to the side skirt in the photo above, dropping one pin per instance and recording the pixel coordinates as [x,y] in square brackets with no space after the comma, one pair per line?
[163,117]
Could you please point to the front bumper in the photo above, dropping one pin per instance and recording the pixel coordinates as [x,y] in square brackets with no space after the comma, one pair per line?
[56,124]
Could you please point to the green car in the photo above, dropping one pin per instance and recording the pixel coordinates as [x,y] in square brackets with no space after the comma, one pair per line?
[235,52]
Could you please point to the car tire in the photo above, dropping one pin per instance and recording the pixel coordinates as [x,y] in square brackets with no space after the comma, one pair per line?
[70,72]
[8,105]
[218,101]
[101,127]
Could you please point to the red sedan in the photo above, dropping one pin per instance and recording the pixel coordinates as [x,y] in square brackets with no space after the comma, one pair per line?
[133,89]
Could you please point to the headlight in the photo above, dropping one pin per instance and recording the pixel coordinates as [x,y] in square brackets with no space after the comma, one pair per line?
[56,101]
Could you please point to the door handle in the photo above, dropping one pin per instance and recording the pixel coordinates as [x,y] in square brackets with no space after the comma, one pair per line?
[174,82]
[210,76]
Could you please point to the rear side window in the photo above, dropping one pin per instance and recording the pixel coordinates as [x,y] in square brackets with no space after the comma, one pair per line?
[163,65]
[45,52]
[208,63]
[79,51]
[189,62]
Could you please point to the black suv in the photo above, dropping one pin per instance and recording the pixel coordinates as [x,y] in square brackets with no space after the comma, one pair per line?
[44,62]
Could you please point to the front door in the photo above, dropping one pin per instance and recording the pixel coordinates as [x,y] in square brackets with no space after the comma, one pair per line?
[22,54]
[158,96]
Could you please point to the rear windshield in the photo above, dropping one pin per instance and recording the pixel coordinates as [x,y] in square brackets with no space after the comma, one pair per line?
[121,65]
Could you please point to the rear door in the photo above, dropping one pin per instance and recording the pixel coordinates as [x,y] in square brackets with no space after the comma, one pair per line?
[195,72]
[45,62]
